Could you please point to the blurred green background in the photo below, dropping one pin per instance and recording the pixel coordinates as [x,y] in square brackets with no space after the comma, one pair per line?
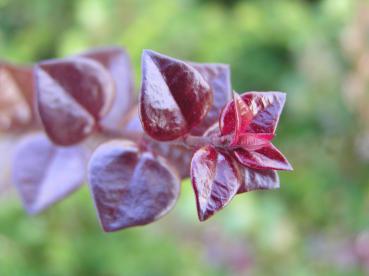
[316,224]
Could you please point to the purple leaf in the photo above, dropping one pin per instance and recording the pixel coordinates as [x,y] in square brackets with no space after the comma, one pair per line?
[44,173]
[131,125]
[216,178]
[178,156]
[16,95]
[72,96]
[259,180]
[265,157]
[218,77]
[174,96]
[117,62]
[130,187]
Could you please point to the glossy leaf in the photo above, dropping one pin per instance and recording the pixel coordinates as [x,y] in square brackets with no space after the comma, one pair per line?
[266,108]
[265,157]
[174,96]
[219,79]
[130,187]
[254,141]
[117,62]
[243,117]
[44,173]
[16,97]
[259,180]
[72,96]
[216,178]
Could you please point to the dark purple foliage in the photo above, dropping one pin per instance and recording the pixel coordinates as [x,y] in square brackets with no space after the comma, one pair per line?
[130,187]
[72,96]
[216,178]
[174,96]
[187,122]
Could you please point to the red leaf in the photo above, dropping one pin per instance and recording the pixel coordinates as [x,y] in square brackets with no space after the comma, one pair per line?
[219,79]
[174,96]
[227,119]
[16,95]
[117,62]
[72,95]
[129,187]
[259,180]
[254,141]
[44,173]
[215,179]
[243,117]
[266,108]
[266,157]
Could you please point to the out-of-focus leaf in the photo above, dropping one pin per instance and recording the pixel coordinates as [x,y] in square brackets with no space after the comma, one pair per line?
[219,78]
[72,96]
[117,62]
[7,147]
[44,173]
[16,97]
[178,156]
[130,187]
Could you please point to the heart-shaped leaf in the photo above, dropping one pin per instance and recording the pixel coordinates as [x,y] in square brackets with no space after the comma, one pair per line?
[219,78]
[216,178]
[44,173]
[174,96]
[266,108]
[264,157]
[16,97]
[117,62]
[259,180]
[130,188]
[72,96]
